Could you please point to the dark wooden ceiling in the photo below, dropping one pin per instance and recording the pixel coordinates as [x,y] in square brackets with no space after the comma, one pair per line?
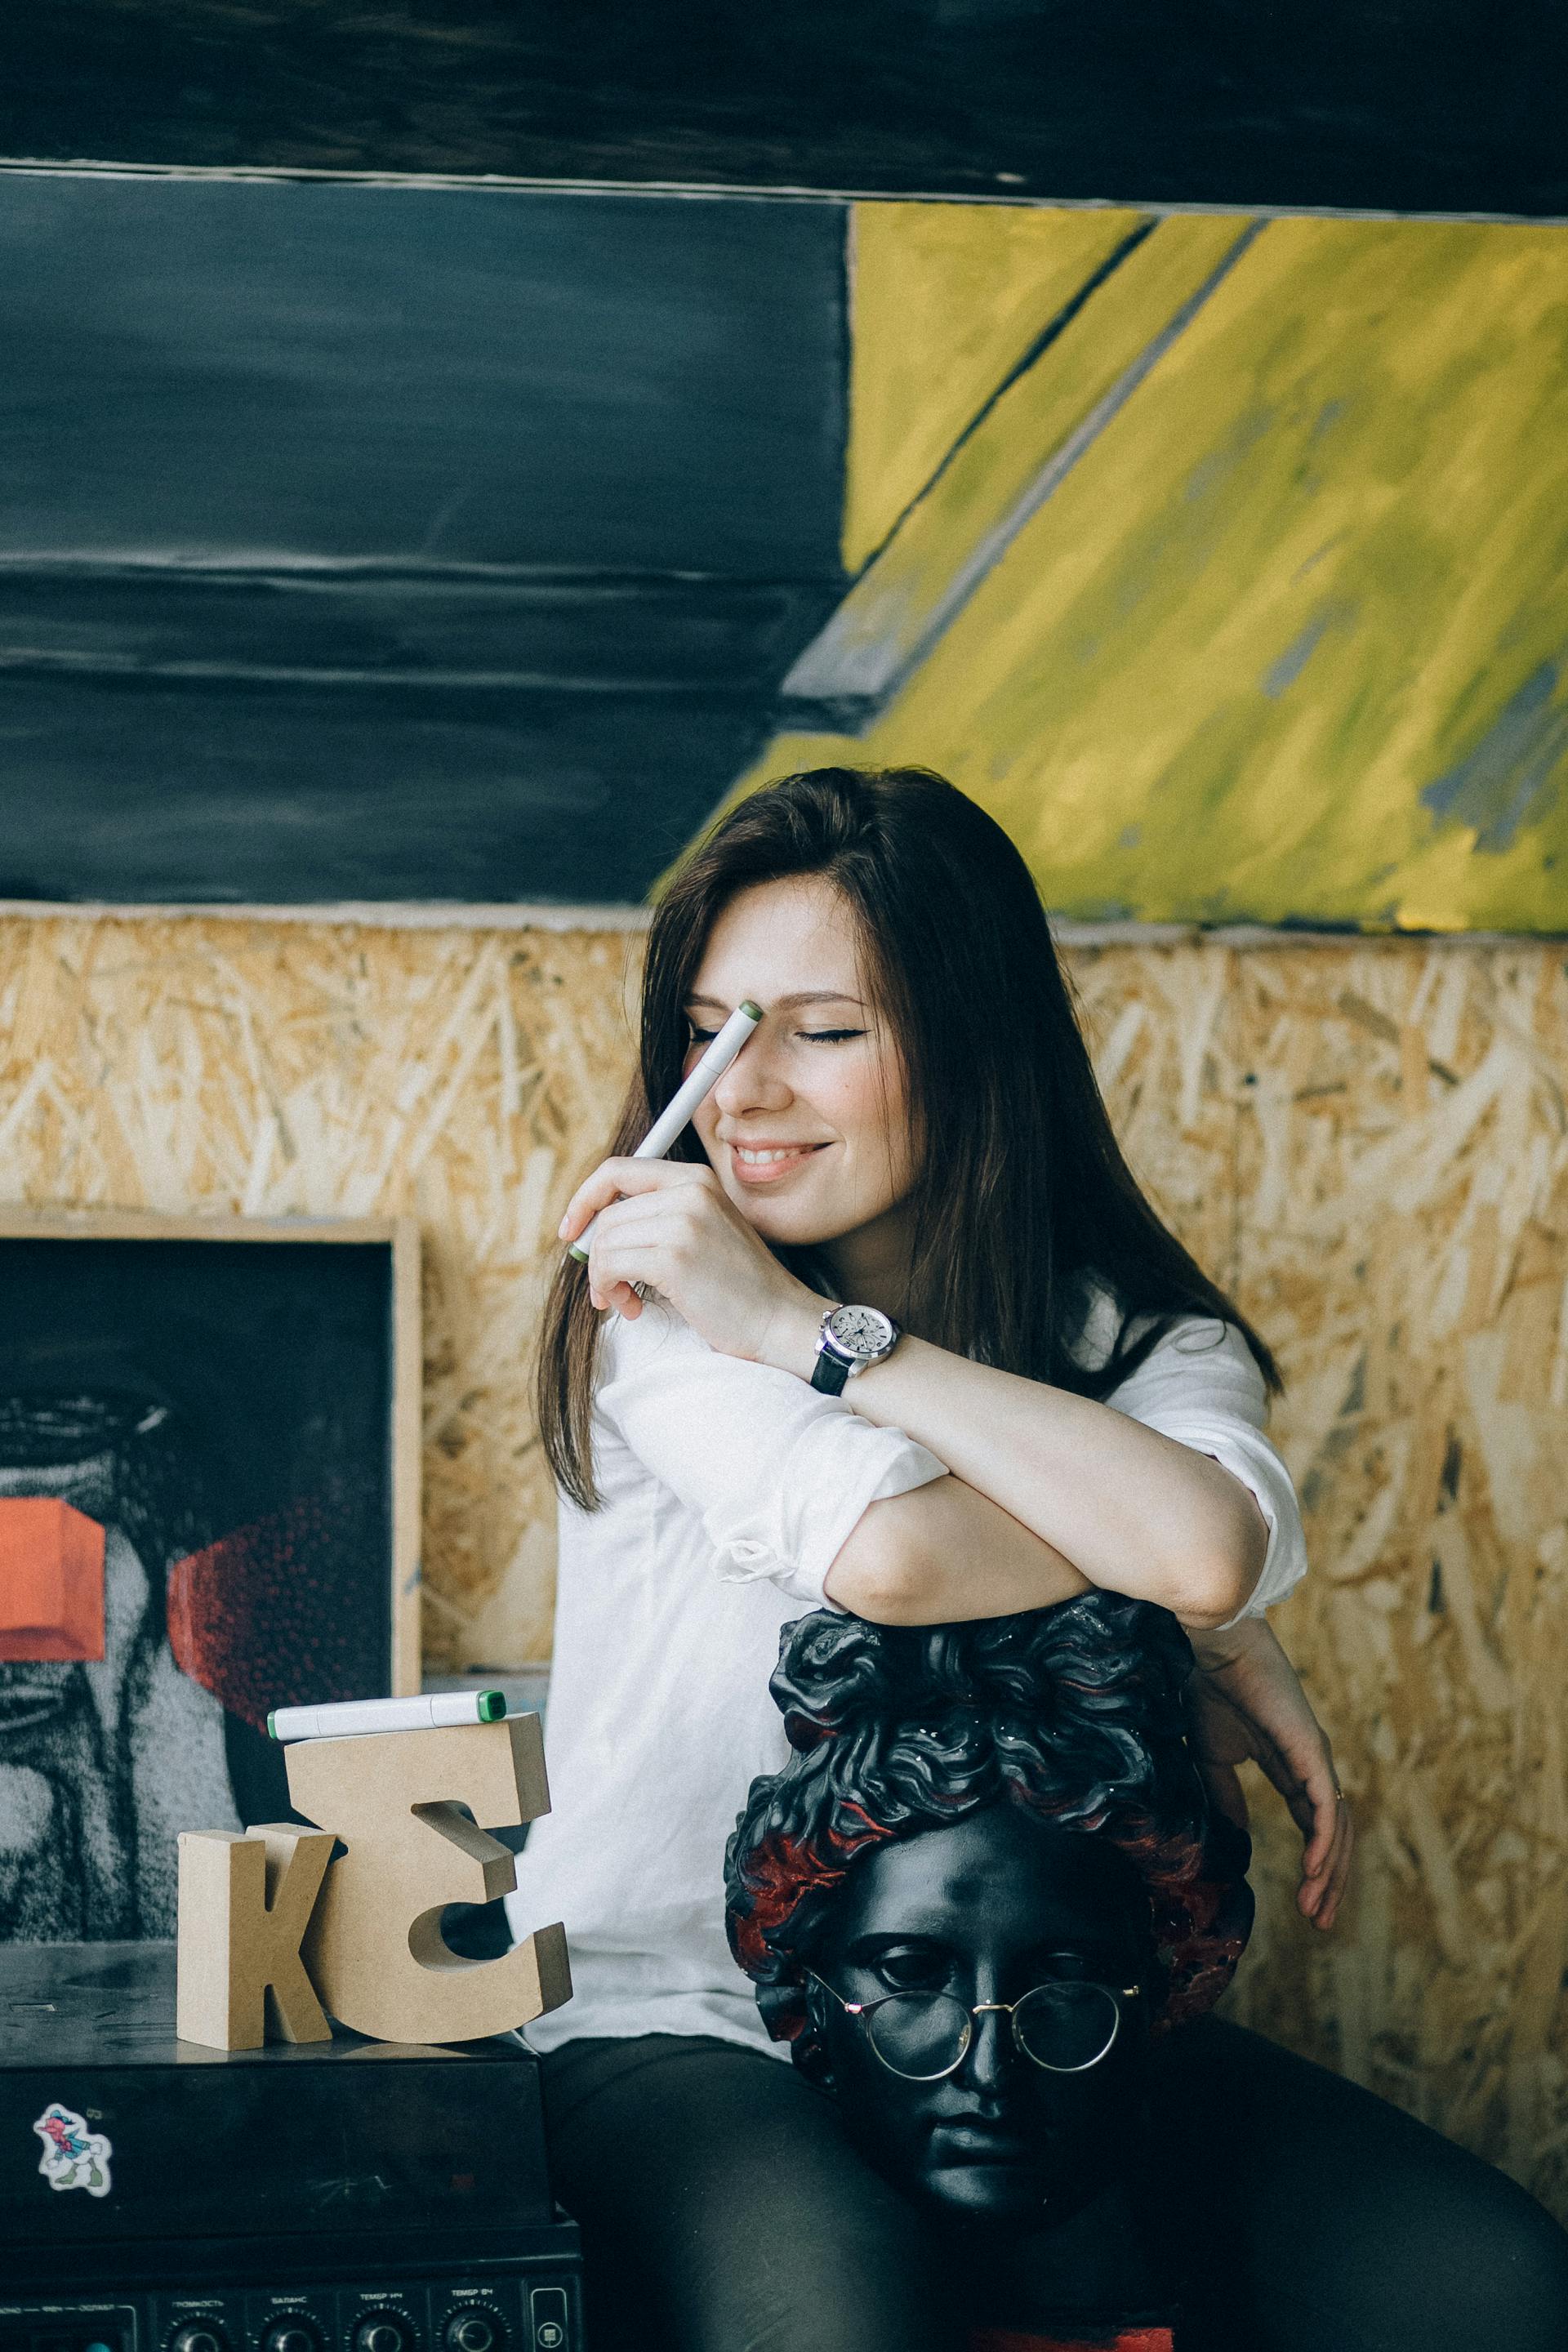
[1408,105]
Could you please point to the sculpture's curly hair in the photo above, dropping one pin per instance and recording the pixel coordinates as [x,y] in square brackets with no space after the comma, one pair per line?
[1074,1712]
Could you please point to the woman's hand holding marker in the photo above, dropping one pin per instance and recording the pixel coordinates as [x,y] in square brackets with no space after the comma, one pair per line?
[668,1227]
[690,1096]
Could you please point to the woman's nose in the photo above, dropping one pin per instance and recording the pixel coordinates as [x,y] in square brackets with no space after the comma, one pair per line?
[754,1081]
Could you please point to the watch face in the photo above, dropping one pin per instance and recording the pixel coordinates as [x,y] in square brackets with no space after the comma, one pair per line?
[863,1331]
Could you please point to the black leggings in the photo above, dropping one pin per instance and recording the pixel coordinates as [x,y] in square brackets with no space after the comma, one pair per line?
[723,2211]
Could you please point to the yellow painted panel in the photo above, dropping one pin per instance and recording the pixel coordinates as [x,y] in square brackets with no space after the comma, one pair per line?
[946,300]
[1291,640]
[893,604]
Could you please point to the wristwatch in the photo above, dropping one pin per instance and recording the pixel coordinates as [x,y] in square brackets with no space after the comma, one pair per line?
[852,1338]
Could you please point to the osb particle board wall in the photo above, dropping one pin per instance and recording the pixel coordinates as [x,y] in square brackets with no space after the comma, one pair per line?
[1368,1140]
[1370,1143]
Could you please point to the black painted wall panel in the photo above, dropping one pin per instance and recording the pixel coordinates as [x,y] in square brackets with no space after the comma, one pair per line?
[392,543]
[230,794]
[431,625]
[222,368]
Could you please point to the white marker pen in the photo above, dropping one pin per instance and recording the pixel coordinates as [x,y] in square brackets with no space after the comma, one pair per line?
[350,1718]
[682,1107]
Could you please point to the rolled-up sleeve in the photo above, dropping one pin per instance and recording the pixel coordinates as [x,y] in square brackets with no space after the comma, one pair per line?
[779,1474]
[1202,1386]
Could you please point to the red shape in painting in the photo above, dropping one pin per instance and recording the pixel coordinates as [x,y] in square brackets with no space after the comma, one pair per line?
[1099,2339]
[51,1581]
[259,1618]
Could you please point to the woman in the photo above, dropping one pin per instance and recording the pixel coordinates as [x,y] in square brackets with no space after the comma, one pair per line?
[984,1884]
[912,1138]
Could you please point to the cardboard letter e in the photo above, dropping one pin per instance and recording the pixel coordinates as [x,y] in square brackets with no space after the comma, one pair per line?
[397,1799]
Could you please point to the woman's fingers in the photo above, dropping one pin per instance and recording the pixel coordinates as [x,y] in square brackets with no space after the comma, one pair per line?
[1344,1855]
[1339,1872]
[1320,1893]
[619,1264]
[1323,1817]
[1311,1791]
[619,1298]
[1318,1809]
[613,1278]
[1320,1790]
[629,1226]
[1246,1670]
[625,1179]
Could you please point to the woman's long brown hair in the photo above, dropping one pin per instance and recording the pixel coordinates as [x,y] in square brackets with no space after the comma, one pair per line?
[1024,1206]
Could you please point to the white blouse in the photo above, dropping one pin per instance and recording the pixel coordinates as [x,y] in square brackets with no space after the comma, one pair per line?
[728,1490]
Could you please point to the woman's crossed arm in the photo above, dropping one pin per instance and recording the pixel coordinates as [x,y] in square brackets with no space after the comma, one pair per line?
[1108,1501]
[944,1551]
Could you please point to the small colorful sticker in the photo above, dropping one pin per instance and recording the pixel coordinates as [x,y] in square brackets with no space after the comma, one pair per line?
[73,2157]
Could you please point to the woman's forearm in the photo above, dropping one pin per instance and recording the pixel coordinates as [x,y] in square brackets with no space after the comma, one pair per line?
[943,1552]
[1130,1510]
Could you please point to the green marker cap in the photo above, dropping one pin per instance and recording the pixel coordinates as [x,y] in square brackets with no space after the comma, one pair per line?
[271,1723]
[755,1011]
[492,1705]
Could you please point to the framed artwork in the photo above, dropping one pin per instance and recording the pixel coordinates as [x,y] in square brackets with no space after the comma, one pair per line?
[209,1503]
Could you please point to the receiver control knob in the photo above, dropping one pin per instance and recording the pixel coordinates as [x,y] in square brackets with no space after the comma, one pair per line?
[473,2331]
[384,2331]
[199,2336]
[290,2335]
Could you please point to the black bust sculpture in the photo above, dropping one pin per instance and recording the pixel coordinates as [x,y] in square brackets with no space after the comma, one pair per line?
[985,1881]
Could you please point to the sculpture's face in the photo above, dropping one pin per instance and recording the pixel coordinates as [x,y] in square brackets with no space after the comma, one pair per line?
[987,1910]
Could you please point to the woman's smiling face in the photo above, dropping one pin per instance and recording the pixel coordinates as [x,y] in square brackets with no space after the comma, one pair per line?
[808,1128]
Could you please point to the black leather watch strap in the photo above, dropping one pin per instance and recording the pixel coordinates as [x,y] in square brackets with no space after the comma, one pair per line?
[829,1372]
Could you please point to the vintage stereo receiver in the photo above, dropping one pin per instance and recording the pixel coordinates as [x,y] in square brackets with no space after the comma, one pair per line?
[335,2197]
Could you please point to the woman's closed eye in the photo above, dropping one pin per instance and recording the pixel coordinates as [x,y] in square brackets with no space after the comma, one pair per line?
[701,1035]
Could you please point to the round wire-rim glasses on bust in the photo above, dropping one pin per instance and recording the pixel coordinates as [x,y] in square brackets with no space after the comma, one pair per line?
[1066,2026]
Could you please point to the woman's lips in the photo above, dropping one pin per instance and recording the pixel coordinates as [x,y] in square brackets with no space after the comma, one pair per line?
[773,1161]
